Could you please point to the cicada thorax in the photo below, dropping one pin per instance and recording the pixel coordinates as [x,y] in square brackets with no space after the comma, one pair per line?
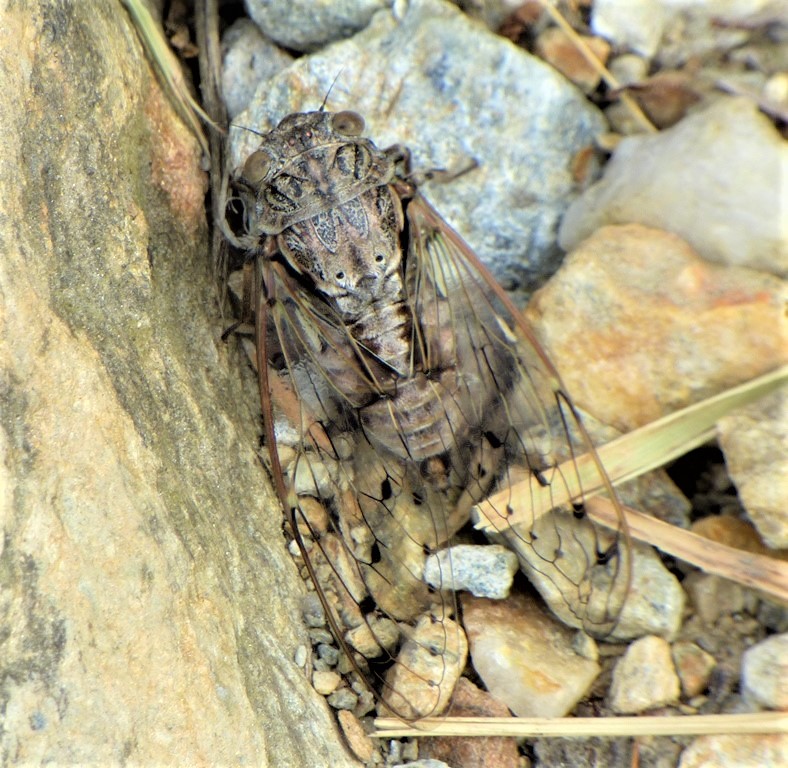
[417,396]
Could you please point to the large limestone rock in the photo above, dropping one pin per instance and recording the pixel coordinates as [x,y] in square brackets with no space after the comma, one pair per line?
[148,608]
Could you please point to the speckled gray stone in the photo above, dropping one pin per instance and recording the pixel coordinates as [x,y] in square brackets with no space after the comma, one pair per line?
[305,25]
[484,571]
[248,59]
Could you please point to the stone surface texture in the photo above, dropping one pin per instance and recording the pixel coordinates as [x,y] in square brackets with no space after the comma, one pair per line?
[248,58]
[736,751]
[755,442]
[765,672]
[714,179]
[639,325]
[305,25]
[484,571]
[525,657]
[148,607]
[473,752]
[644,677]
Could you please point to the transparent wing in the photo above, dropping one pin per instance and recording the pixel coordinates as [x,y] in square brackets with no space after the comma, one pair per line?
[379,468]
[364,518]
[527,439]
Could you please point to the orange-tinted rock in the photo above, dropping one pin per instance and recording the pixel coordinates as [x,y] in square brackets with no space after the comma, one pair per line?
[486,752]
[640,326]
[731,531]
[525,657]
[736,751]
[693,666]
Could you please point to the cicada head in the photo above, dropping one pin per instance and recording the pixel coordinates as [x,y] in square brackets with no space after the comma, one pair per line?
[310,163]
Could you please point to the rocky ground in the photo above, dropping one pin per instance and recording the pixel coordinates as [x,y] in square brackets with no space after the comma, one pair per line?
[150,610]
[671,291]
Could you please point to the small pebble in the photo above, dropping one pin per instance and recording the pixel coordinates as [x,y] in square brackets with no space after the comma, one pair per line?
[366,704]
[714,597]
[694,667]
[318,636]
[328,653]
[584,645]
[422,680]
[765,672]
[558,50]
[326,682]
[372,636]
[754,440]
[343,698]
[482,570]
[633,24]
[358,741]
[344,665]
[312,610]
[300,655]
[628,68]
[471,752]
[644,677]
[293,549]
[524,656]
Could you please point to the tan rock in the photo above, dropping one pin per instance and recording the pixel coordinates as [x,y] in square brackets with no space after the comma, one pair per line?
[731,531]
[362,746]
[525,657]
[712,596]
[736,751]
[755,443]
[325,682]
[150,608]
[644,677]
[555,47]
[694,666]
[374,636]
[421,682]
[640,326]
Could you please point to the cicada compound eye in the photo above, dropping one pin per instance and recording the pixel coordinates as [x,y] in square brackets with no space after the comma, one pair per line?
[348,123]
[256,167]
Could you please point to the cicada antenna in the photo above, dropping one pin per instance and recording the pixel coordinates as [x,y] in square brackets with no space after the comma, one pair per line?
[330,88]
[246,128]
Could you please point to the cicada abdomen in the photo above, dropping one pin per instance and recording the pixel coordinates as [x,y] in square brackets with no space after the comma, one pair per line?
[419,394]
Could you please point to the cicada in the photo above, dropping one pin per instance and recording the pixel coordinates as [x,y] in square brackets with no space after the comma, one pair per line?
[416,392]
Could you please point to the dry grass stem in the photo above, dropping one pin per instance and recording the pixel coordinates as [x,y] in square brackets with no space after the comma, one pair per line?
[567,727]
[598,66]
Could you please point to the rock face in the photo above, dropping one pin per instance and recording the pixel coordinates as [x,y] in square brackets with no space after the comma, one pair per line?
[148,607]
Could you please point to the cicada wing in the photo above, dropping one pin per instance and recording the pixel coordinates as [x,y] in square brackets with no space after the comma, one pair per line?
[529,457]
[364,519]
[382,470]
